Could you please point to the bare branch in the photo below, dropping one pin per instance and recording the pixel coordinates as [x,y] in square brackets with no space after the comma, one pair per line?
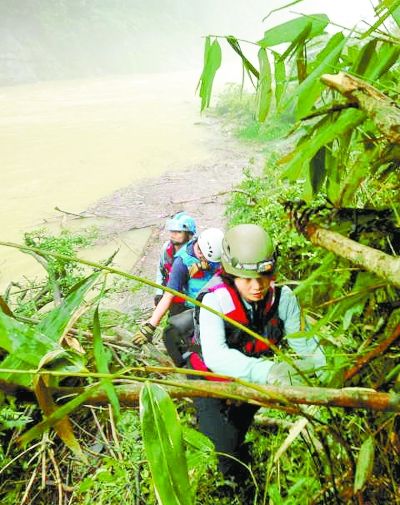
[379,107]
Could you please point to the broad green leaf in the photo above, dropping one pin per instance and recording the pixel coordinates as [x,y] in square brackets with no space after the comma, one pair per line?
[287,32]
[212,62]
[58,415]
[298,42]
[396,16]
[318,170]
[365,464]
[347,121]
[387,56]
[310,89]
[24,340]
[26,347]
[200,452]
[366,58]
[280,77]
[207,44]
[301,62]
[55,323]
[163,443]
[103,358]
[198,440]
[264,90]
[63,428]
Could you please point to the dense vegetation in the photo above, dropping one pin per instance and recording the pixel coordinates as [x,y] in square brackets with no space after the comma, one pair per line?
[326,115]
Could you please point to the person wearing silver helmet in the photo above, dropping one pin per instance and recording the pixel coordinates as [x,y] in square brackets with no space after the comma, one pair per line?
[245,291]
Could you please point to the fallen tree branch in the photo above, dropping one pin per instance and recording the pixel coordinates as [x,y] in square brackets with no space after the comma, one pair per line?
[286,397]
[379,350]
[372,260]
[379,107]
[271,395]
[330,110]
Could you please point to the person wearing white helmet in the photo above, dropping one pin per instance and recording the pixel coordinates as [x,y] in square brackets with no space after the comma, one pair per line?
[182,229]
[194,265]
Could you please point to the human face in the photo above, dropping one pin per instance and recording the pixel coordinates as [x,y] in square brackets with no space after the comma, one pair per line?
[178,237]
[253,290]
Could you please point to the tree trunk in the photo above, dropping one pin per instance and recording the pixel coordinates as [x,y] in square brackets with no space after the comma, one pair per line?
[271,396]
[382,264]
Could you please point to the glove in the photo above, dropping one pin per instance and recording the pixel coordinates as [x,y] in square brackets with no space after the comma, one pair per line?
[144,335]
[283,374]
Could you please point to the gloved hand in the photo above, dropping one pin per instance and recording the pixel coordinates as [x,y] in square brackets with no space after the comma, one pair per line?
[145,334]
[283,374]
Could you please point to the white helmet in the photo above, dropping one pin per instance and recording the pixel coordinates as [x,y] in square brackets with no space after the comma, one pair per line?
[210,243]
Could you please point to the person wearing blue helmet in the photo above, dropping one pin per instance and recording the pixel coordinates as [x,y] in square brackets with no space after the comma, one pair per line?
[194,265]
[182,229]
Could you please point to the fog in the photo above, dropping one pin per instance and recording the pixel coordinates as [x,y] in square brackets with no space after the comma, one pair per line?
[99,94]
[64,39]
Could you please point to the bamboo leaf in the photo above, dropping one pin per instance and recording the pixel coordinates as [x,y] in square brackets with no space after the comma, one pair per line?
[347,121]
[198,440]
[163,443]
[318,172]
[298,42]
[287,32]
[366,58]
[102,358]
[54,324]
[58,415]
[365,464]
[212,62]
[310,89]
[264,89]
[26,347]
[387,56]
[280,77]
[63,428]
[249,67]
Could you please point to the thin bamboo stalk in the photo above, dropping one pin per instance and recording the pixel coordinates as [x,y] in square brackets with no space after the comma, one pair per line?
[362,361]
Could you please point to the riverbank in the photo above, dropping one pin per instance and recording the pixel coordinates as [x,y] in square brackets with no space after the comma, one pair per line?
[202,190]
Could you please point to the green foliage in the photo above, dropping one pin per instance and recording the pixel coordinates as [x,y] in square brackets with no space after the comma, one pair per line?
[315,25]
[264,91]
[65,273]
[365,463]
[163,442]
[212,61]
[376,60]
[103,357]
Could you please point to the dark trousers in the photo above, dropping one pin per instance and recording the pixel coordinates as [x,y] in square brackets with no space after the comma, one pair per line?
[178,333]
[226,425]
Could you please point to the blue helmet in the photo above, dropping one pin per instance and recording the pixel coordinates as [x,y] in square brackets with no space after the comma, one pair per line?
[182,222]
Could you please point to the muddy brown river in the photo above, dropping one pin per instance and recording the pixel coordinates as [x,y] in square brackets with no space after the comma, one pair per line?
[67,144]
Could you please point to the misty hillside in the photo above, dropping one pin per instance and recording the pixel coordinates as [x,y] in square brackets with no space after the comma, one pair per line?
[62,39]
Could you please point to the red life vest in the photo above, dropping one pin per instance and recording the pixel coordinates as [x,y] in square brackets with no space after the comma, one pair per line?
[264,320]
